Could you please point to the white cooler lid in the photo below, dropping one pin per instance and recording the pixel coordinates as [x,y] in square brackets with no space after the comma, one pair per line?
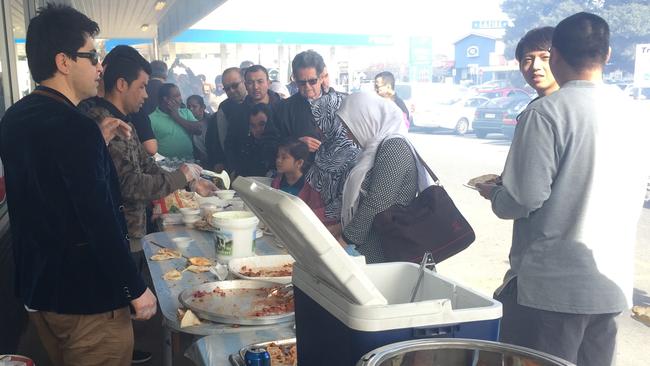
[308,240]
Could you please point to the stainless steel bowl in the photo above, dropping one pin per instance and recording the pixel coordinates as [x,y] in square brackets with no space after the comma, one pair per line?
[457,352]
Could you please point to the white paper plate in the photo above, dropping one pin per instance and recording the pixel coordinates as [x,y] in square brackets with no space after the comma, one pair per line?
[260,262]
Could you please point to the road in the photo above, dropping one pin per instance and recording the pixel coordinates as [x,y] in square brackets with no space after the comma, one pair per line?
[456,159]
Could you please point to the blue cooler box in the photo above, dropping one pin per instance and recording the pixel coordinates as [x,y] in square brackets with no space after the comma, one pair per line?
[345,308]
[331,330]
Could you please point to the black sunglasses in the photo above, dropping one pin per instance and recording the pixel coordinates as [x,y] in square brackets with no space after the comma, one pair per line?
[304,82]
[232,86]
[93,56]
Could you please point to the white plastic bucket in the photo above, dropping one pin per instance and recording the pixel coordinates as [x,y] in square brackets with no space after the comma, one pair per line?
[235,236]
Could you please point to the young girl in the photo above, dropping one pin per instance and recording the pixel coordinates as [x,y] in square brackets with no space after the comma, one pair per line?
[291,163]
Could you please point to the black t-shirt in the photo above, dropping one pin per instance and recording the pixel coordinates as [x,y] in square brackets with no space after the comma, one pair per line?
[151,103]
[142,125]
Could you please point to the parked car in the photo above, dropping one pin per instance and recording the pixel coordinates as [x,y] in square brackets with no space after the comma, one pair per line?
[638,92]
[504,92]
[456,114]
[499,115]
[491,85]
[422,99]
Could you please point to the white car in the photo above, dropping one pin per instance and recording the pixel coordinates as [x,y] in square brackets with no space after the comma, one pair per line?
[455,114]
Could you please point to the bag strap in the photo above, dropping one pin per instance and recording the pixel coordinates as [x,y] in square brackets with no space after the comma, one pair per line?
[436,181]
[435,178]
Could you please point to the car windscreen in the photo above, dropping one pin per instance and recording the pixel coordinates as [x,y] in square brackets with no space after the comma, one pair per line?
[505,102]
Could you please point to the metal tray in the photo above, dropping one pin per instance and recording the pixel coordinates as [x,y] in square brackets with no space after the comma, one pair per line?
[237,359]
[236,307]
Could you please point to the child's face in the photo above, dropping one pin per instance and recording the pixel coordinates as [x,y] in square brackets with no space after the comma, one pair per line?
[256,124]
[285,163]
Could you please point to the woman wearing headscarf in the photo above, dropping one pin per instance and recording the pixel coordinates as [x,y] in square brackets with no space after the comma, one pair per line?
[310,116]
[387,170]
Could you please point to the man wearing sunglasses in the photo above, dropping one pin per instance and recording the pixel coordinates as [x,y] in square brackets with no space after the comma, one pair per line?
[74,270]
[310,116]
[218,124]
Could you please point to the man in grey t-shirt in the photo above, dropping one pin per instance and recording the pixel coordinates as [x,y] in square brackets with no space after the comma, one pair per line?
[572,255]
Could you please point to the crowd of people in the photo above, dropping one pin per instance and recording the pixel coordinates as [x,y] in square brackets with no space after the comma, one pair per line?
[78,157]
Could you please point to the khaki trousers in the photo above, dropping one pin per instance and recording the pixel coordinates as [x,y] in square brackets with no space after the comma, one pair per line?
[104,339]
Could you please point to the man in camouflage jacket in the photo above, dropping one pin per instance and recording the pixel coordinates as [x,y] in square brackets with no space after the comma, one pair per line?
[126,74]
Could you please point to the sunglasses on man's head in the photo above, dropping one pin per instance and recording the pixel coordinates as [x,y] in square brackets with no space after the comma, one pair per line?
[232,86]
[304,82]
[93,56]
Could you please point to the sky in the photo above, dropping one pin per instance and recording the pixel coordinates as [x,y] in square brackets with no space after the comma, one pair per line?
[446,21]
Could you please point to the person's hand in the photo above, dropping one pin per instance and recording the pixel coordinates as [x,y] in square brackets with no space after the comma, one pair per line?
[204,187]
[312,143]
[111,127]
[170,107]
[144,306]
[485,189]
[218,168]
[191,171]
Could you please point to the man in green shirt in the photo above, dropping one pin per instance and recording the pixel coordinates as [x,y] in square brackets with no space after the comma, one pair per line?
[173,125]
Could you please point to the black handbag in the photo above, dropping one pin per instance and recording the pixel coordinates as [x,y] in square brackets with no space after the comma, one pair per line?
[430,223]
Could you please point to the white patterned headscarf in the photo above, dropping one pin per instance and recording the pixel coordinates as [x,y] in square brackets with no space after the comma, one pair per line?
[371,119]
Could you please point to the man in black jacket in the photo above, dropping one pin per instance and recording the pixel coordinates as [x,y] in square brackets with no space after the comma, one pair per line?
[74,271]
[239,139]
[219,123]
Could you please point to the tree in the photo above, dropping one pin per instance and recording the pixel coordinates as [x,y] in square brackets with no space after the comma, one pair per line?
[629,22]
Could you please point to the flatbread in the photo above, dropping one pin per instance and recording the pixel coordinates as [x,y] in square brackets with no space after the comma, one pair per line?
[642,313]
[486,178]
[197,269]
[200,261]
[173,275]
[165,254]
[189,319]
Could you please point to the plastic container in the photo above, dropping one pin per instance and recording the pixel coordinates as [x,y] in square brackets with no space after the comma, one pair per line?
[182,242]
[190,220]
[226,194]
[207,209]
[235,236]
[187,211]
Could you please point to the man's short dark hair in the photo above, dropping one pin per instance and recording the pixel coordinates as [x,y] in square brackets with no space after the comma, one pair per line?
[260,108]
[232,69]
[55,29]
[583,40]
[256,68]
[308,59]
[538,39]
[158,69]
[387,77]
[123,62]
[164,91]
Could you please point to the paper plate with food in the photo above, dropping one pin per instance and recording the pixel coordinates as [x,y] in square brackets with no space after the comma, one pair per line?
[483,179]
[272,268]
